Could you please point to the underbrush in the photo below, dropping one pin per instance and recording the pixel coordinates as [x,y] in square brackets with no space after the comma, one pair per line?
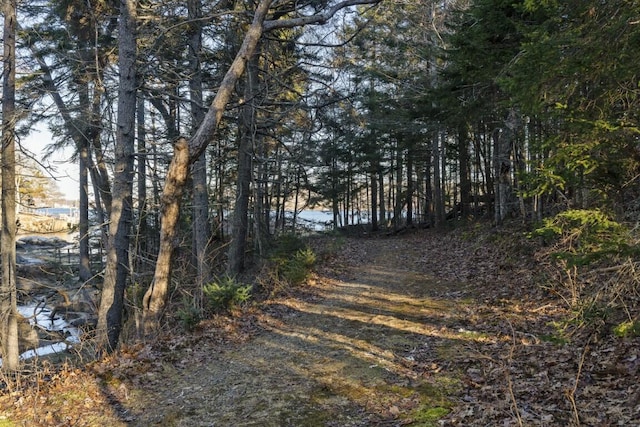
[593,265]
[221,296]
[289,264]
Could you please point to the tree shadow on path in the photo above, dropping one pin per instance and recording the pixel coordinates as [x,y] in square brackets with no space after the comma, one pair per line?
[352,356]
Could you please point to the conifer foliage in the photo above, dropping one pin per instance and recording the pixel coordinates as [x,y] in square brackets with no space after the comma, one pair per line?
[387,114]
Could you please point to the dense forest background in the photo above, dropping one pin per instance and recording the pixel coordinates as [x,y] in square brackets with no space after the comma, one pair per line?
[202,129]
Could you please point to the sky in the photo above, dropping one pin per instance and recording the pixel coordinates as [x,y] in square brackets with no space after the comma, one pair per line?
[64,172]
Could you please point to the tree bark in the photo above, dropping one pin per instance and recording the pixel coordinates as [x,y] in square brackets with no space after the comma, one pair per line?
[374,198]
[504,139]
[154,299]
[201,225]
[428,191]
[8,296]
[247,132]
[381,202]
[465,179]
[409,196]
[116,273]
[143,228]
[84,272]
[82,143]
[398,202]
[438,200]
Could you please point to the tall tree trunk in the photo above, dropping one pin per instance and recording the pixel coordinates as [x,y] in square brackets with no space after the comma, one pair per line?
[262,207]
[82,143]
[381,218]
[504,139]
[465,179]
[438,199]
[201,226]
[335,201]
[398,201]
[409,197]
[8,297]
[143,228]
[219,193]
[84,273]
[484,148]
[245,172]
[428,192]
[117,269]
[374,199]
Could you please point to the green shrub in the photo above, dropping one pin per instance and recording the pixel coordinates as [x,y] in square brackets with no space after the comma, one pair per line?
[189,314]
[595,270]
[297,269]
[627,329]
[226,294]
[584,236]
[590,311]
[292,260]
[287,245]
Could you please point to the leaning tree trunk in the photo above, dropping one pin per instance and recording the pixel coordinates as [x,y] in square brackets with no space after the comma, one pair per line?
[8,297]
[87,140]
[116,273]
[154,298]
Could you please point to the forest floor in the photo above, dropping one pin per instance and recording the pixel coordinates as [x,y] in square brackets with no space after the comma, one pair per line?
[420,329]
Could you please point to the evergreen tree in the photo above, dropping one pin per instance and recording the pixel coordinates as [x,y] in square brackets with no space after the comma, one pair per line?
[8,294]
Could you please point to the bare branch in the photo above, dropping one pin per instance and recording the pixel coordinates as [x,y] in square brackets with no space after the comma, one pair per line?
[198,142]
[317,19]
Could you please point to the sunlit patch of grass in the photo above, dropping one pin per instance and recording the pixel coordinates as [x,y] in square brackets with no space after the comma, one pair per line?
[6,423]
[428,416]
[420,404]
[627,329]
[431,401]
[389,321]
[475,335]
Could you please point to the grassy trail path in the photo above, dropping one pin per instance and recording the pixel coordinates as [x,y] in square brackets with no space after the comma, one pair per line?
[424,329]
[359,349]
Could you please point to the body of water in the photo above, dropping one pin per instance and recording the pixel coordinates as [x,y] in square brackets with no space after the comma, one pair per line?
[58,212]
[40,317]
